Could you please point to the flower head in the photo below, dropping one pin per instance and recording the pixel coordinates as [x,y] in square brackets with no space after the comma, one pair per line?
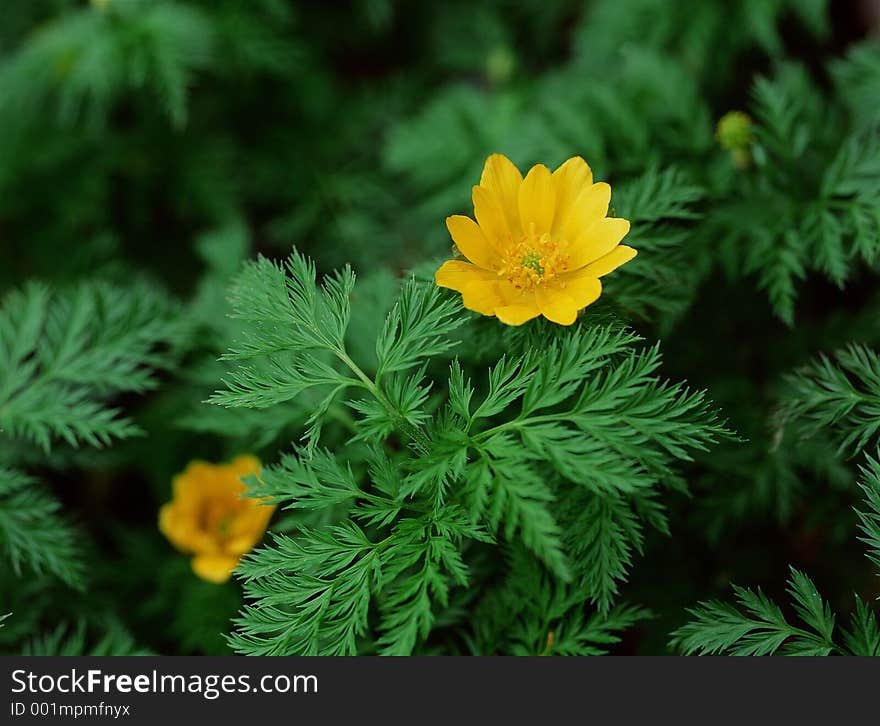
[734,130]
[538,246]
[209,517]
[736,134]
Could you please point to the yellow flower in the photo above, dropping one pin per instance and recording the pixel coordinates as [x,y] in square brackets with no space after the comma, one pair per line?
[539,245]
[209,517]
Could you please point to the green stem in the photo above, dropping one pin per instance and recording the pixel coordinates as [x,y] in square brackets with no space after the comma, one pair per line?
[413,433]
[367,382]
[518,422]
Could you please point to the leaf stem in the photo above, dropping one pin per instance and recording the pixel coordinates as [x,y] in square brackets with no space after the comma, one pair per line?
[413,433]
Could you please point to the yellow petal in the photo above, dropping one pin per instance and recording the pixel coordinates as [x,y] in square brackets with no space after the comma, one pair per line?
[471,241]
[250,521]
[517,313]
[244,465]
[589,206]
[597,241]
[183,531]
[242,544]
[482,297]
[491,218]
[457,275]
[618,256]
[170,526]
[214,568]
[192,481]
[179,522]
[247,528]
[569,180]
[228,477]
[502,179]
[582,288]
[248,531]
[537,200]
[556,305]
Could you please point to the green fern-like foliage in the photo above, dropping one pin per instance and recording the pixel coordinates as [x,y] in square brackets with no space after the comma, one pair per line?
[84,61]
[507,621]
[65,356]
[33,534]
[663,208]
[446,485]
[407,521]
[757,626]
[838,397]
[80,640]
[829,398]
[798,221]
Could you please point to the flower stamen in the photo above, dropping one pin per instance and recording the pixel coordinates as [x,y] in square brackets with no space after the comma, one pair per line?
[533,261]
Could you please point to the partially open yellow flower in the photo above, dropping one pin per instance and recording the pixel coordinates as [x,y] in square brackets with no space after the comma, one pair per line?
[210,518]
[735,132]
[539,245]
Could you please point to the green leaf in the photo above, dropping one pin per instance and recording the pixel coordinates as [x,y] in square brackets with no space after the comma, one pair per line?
[64,355]
[80,640]
[837,397]
[603,534]
[311,594]
[759,627]
[417,328]
[34,535]
[863,636]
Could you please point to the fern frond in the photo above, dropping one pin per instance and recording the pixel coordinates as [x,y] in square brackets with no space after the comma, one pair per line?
[63,356]
[34,536]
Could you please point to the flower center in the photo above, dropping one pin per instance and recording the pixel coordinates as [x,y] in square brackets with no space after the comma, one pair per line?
[533,260]
[215,517]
